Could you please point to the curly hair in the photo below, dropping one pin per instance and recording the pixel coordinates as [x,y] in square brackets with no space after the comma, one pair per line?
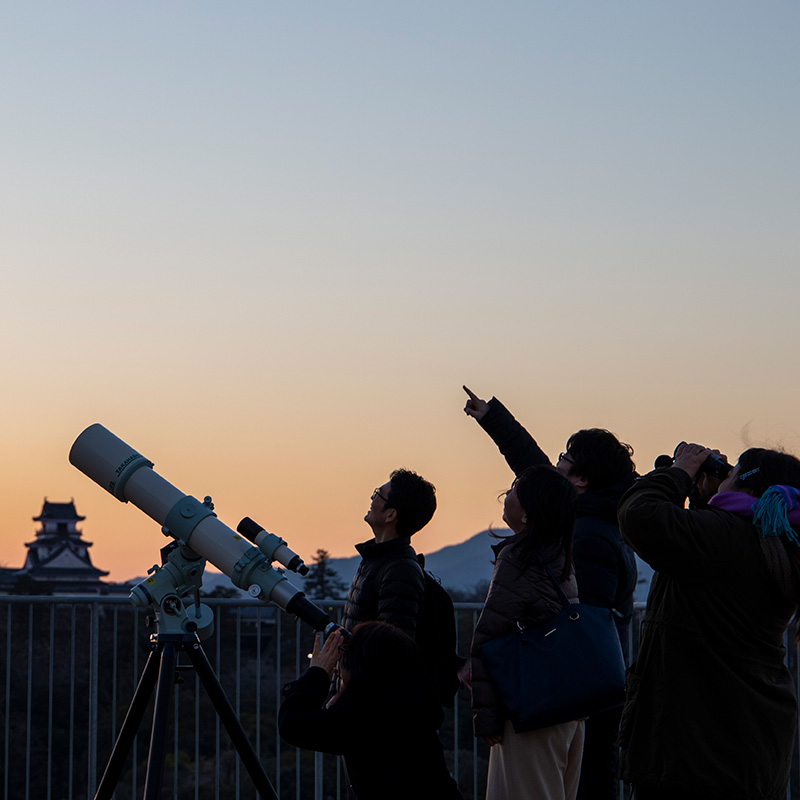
[599,457]
[413,498]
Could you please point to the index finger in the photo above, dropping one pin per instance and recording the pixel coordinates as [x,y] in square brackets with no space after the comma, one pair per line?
[472,395]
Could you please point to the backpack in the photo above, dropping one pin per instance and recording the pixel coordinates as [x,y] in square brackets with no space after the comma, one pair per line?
[436,636]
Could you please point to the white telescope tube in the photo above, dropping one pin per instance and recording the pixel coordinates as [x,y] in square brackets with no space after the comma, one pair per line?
[129,476]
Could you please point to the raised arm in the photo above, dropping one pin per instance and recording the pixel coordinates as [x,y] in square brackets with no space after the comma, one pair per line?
[517,446]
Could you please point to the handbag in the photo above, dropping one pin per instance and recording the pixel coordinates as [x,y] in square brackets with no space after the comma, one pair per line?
[568,669]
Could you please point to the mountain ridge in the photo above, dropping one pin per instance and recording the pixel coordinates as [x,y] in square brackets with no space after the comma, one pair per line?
[459,567]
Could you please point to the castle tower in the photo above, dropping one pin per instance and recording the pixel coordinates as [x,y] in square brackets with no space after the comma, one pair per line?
[59,556]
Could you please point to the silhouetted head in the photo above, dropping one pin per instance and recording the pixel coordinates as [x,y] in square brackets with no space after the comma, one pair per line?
[541,504]
[413,498]
[758,469]
[595,459]
[380,656]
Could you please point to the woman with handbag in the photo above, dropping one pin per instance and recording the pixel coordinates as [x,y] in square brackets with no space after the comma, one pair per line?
[711,710]
[544,763]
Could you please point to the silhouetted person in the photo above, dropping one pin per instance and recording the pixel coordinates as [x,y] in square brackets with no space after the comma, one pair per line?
[389,584]
[711,710]
[601,469]
[526,764]
[383,720]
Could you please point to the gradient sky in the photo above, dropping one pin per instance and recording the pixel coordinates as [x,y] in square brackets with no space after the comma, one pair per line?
[266,242]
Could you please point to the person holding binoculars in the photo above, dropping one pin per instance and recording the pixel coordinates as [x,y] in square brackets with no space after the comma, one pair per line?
[711,709]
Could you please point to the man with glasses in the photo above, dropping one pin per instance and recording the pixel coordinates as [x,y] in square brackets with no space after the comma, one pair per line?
[389,584]
[601,469]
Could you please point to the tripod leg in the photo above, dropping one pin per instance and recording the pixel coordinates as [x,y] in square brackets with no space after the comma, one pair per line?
[158,737]
[231,722]
[127,733]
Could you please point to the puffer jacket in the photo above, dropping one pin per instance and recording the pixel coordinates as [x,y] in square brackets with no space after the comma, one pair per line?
[522,590]
[389,586]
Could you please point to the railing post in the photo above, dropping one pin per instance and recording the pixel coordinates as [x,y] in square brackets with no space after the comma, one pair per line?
[28,725]
[94,615]
[7,709]
[318,774]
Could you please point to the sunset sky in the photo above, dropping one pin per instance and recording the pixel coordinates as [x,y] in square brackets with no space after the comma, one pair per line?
[266,243]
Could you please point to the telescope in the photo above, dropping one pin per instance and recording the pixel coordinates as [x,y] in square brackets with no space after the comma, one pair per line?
[130,477]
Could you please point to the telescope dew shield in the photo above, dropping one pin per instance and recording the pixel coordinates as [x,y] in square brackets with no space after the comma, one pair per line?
[116,466]
[129,476]
[106,459]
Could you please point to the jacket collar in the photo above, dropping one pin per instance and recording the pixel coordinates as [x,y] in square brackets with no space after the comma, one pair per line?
[603,502]
[507,541]
[548,554]
[372,549]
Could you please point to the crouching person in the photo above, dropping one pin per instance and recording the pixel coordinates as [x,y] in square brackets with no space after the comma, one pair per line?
[383,719]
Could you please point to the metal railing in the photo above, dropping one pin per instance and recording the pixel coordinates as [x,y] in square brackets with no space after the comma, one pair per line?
[71,668]
[72,665]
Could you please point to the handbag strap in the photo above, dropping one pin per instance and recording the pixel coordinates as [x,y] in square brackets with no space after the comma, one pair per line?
[564,600]
[562,596]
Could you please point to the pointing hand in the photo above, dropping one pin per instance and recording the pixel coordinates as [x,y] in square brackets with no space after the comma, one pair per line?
[475,407]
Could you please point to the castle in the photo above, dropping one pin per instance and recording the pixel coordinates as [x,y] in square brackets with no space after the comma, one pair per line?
[58,560]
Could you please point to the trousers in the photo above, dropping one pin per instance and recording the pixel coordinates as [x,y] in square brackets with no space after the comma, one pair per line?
[544,764]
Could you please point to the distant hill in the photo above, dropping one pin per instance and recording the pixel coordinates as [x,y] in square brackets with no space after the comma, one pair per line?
[459,567]
[462,566]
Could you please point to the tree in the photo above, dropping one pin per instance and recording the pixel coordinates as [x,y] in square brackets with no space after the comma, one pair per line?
[323,581]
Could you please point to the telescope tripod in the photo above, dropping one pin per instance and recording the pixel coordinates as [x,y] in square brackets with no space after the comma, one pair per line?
[159,673]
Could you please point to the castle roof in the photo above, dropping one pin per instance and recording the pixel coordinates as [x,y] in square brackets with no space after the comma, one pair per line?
[59,511]
[63,559]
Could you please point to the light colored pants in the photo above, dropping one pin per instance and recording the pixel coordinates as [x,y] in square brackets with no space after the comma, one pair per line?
[536,765]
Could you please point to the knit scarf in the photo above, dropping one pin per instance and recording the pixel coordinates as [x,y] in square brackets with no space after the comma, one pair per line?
[774,513]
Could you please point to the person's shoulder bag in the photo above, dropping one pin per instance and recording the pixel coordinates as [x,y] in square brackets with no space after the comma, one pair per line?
[567,669]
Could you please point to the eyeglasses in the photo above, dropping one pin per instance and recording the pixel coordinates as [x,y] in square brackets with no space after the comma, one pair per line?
[566,457]
[377,493]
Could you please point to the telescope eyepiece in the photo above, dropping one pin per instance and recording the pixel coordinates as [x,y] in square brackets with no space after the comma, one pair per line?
[297,565]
